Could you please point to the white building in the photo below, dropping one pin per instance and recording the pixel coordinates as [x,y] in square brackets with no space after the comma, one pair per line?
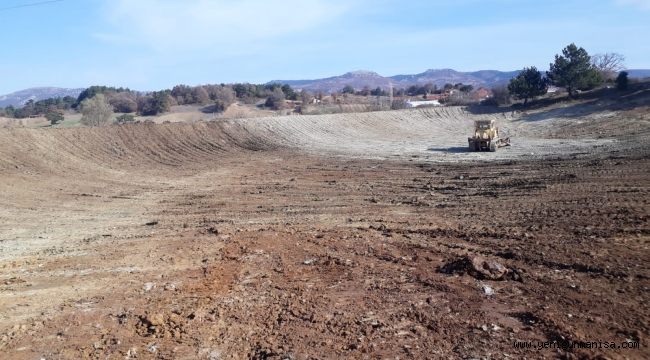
[414,104]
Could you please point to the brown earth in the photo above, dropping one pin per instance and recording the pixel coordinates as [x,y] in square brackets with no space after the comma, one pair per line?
[253,239]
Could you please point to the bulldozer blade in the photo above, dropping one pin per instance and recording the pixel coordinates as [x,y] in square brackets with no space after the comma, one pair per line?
[503,142]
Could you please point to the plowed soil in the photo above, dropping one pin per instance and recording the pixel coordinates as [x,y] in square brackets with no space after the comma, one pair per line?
[327,237]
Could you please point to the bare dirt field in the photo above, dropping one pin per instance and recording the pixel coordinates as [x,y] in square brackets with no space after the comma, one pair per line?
[370,235]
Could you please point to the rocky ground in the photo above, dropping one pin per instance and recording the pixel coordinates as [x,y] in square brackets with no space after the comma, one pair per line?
[269,252]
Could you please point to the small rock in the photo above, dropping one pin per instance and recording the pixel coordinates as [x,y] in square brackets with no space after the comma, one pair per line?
[148,286]
[156,319]
[487,289]
[213,230]
[476,266]
[170,287]
[309,261]
[489,269]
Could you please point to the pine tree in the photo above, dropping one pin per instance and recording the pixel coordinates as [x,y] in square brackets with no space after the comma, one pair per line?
[528,84]
[573,70]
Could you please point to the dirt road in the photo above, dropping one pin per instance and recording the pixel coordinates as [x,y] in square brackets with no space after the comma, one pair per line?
[307,238]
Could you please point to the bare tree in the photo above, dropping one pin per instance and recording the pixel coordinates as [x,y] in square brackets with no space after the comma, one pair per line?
[182,94]
[608,64]
[305,97]
[122,102]
[199,95]
[500,96]
[276,100]
[96,111]
[223,96]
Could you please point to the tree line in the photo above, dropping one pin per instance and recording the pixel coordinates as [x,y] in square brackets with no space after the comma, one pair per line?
[41,107]
[126,101]
[413,90]
[574,69]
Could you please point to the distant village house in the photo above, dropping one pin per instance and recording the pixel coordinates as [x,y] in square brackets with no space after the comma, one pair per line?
[415,104]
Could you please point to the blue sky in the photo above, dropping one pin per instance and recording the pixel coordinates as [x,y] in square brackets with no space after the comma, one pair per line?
[155,44]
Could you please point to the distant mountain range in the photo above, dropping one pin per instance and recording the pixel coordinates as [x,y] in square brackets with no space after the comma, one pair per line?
[639,73]
[440,77]
[19,98]
[359,79]
[356,79]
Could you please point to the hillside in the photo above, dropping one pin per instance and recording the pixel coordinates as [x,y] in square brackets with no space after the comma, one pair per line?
[359,79]
[356,79]
[439,77]
[19,98]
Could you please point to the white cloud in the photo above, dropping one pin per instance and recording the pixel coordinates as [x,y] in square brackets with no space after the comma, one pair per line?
[641,4]
[226,26]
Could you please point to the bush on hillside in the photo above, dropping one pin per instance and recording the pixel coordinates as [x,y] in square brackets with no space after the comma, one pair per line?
[500,96]
[54,117]
[125,119]
[275,100]
[156,103]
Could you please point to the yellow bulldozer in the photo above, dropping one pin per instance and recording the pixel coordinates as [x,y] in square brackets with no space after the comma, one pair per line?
[486,137]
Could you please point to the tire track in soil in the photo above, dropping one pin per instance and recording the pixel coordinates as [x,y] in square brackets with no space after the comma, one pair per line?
[267,244]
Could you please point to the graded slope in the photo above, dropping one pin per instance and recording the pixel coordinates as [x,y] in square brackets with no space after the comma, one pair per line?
[436,134]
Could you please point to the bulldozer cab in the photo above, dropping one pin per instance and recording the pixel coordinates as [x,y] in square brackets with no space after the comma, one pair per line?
[484,124]
[485,129]
[486,137]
